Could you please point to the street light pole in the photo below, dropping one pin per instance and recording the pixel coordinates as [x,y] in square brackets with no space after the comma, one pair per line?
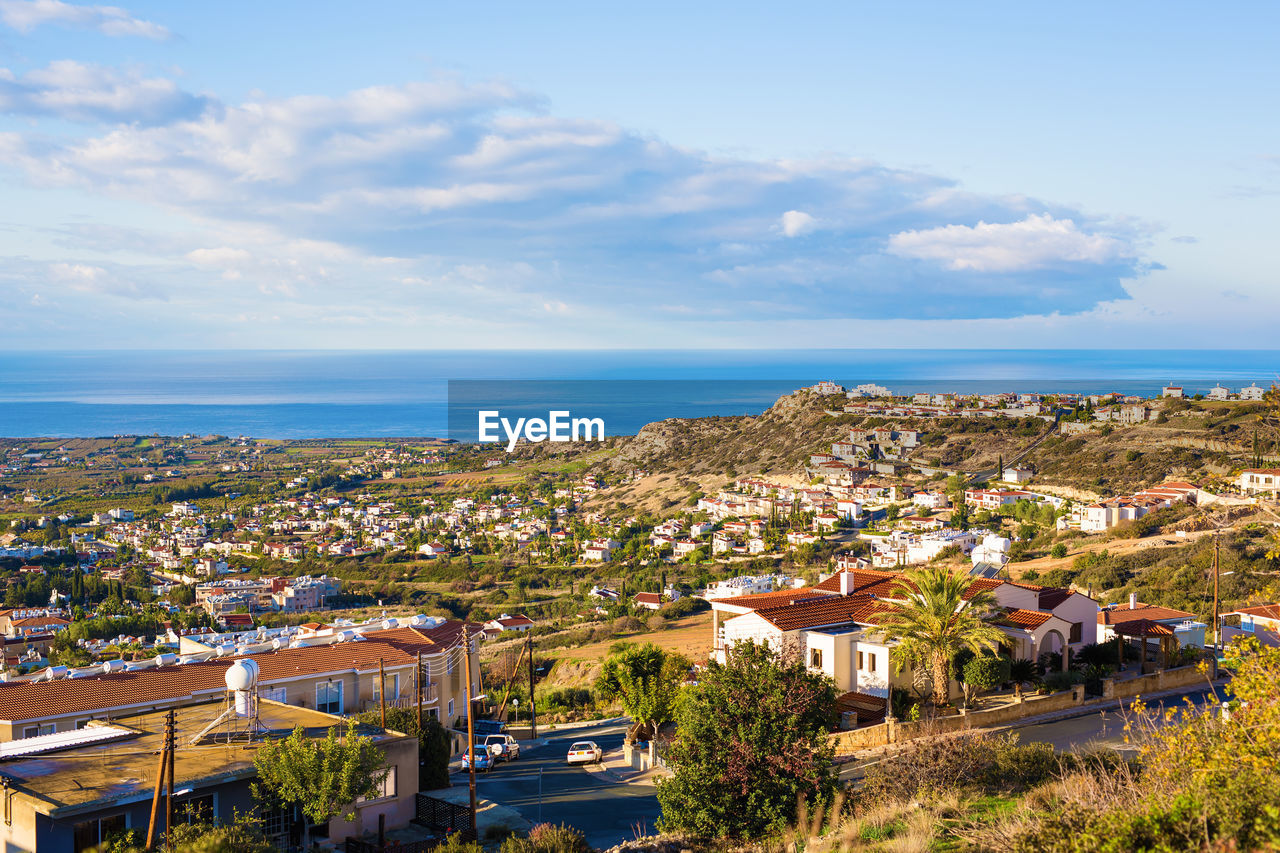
[471,730]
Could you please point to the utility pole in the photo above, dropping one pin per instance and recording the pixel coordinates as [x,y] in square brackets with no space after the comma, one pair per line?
[170,728]
[417,684]
[155,797]
[471,731]
[1216,617]
[533,712]
[382,693]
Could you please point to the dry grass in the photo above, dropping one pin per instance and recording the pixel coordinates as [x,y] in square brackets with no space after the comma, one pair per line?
[689,636]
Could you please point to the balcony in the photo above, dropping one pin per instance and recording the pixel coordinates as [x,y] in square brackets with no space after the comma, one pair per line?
[407,699]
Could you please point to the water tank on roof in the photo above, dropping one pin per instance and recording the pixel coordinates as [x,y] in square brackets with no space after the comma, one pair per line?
[166,659]
[110,666]
[345,636]
[242,675]
[56,672]
[224,650]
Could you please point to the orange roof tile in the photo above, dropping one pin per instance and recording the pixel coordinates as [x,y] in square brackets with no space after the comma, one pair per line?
[1124,614]
[26,700]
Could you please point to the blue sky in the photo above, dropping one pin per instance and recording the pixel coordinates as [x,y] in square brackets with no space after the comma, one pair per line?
[572,175]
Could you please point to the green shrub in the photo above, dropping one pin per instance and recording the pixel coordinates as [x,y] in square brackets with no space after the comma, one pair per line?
[1059,680]
[548,838]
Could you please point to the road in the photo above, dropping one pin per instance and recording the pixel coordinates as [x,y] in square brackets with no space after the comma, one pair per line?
[1105,728]
[609,813]
[605,811]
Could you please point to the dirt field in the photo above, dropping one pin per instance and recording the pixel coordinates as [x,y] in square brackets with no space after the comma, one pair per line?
[1111,546]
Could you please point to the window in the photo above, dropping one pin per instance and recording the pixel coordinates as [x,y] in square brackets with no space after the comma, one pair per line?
[41,729]
[1077,632]
[80,724]
[386,789]
[87,835]
[815,658]
[275,694]
[194,809]
[451,709]
[434,713]
[871,662]
[329,697]
[393,687]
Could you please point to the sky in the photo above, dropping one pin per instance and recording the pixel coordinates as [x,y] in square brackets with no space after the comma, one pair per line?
[575,175]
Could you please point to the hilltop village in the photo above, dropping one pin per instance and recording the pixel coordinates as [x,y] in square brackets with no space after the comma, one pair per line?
[1113,545]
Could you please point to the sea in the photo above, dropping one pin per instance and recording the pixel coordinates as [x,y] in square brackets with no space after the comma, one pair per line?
[376,394]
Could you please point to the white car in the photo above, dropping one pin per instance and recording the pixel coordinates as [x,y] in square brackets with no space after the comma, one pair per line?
[502,747]
[585,752]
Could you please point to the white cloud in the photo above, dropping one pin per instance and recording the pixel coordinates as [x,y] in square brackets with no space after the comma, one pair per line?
[94,93]
[25,15]
[1037,242]
[796,222]
[451,196]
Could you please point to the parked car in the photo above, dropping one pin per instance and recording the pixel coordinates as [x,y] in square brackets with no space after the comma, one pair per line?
[502,747]
[483,761]
[585,752]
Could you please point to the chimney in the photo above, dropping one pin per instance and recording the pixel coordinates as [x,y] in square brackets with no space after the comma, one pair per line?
[846,583]
[1133,601]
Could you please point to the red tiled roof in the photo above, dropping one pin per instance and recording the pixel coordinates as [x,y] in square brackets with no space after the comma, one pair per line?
[864,581]
[1266,611]
[1138,627]
[1019,617]
[830,610]
[761,600]
[1123,614]
[25,700]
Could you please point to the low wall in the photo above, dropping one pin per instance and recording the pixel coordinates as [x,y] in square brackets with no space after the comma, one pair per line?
[894,731]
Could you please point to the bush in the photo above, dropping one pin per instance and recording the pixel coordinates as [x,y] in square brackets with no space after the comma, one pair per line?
[656,622]
[1058,551]
[547,838]
[752,743]
[986,671]
[1059,680]
[977,762]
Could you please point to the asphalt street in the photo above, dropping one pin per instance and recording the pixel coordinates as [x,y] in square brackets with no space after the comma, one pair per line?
[1101,729]
[546,789]
[605,811]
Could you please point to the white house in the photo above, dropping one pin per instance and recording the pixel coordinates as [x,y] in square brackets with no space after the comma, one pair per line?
[1253,392]
[1219,392]
[1017,474]
[1255,480]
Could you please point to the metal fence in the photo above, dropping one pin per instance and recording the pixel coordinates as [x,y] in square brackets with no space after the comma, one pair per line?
[443,817]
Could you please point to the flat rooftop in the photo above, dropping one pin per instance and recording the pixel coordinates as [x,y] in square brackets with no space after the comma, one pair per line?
[124,768]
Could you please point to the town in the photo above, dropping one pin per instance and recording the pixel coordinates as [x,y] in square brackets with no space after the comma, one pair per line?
[456,608]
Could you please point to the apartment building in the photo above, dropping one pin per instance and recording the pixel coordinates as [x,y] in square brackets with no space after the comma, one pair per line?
[332,669]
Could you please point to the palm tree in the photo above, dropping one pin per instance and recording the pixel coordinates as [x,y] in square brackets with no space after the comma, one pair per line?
[935,621]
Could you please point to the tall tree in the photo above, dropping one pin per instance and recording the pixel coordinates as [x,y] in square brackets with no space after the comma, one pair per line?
[751,743]
[646,680]
[322,777]
[935,620]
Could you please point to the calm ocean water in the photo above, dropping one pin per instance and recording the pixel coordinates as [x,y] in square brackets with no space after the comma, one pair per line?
[305,394]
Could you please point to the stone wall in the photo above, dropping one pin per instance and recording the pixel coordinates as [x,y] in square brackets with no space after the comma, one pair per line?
[892,731]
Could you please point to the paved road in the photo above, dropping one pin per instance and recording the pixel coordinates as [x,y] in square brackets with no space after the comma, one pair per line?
[605,811]
[1105,728]
[1100,729]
